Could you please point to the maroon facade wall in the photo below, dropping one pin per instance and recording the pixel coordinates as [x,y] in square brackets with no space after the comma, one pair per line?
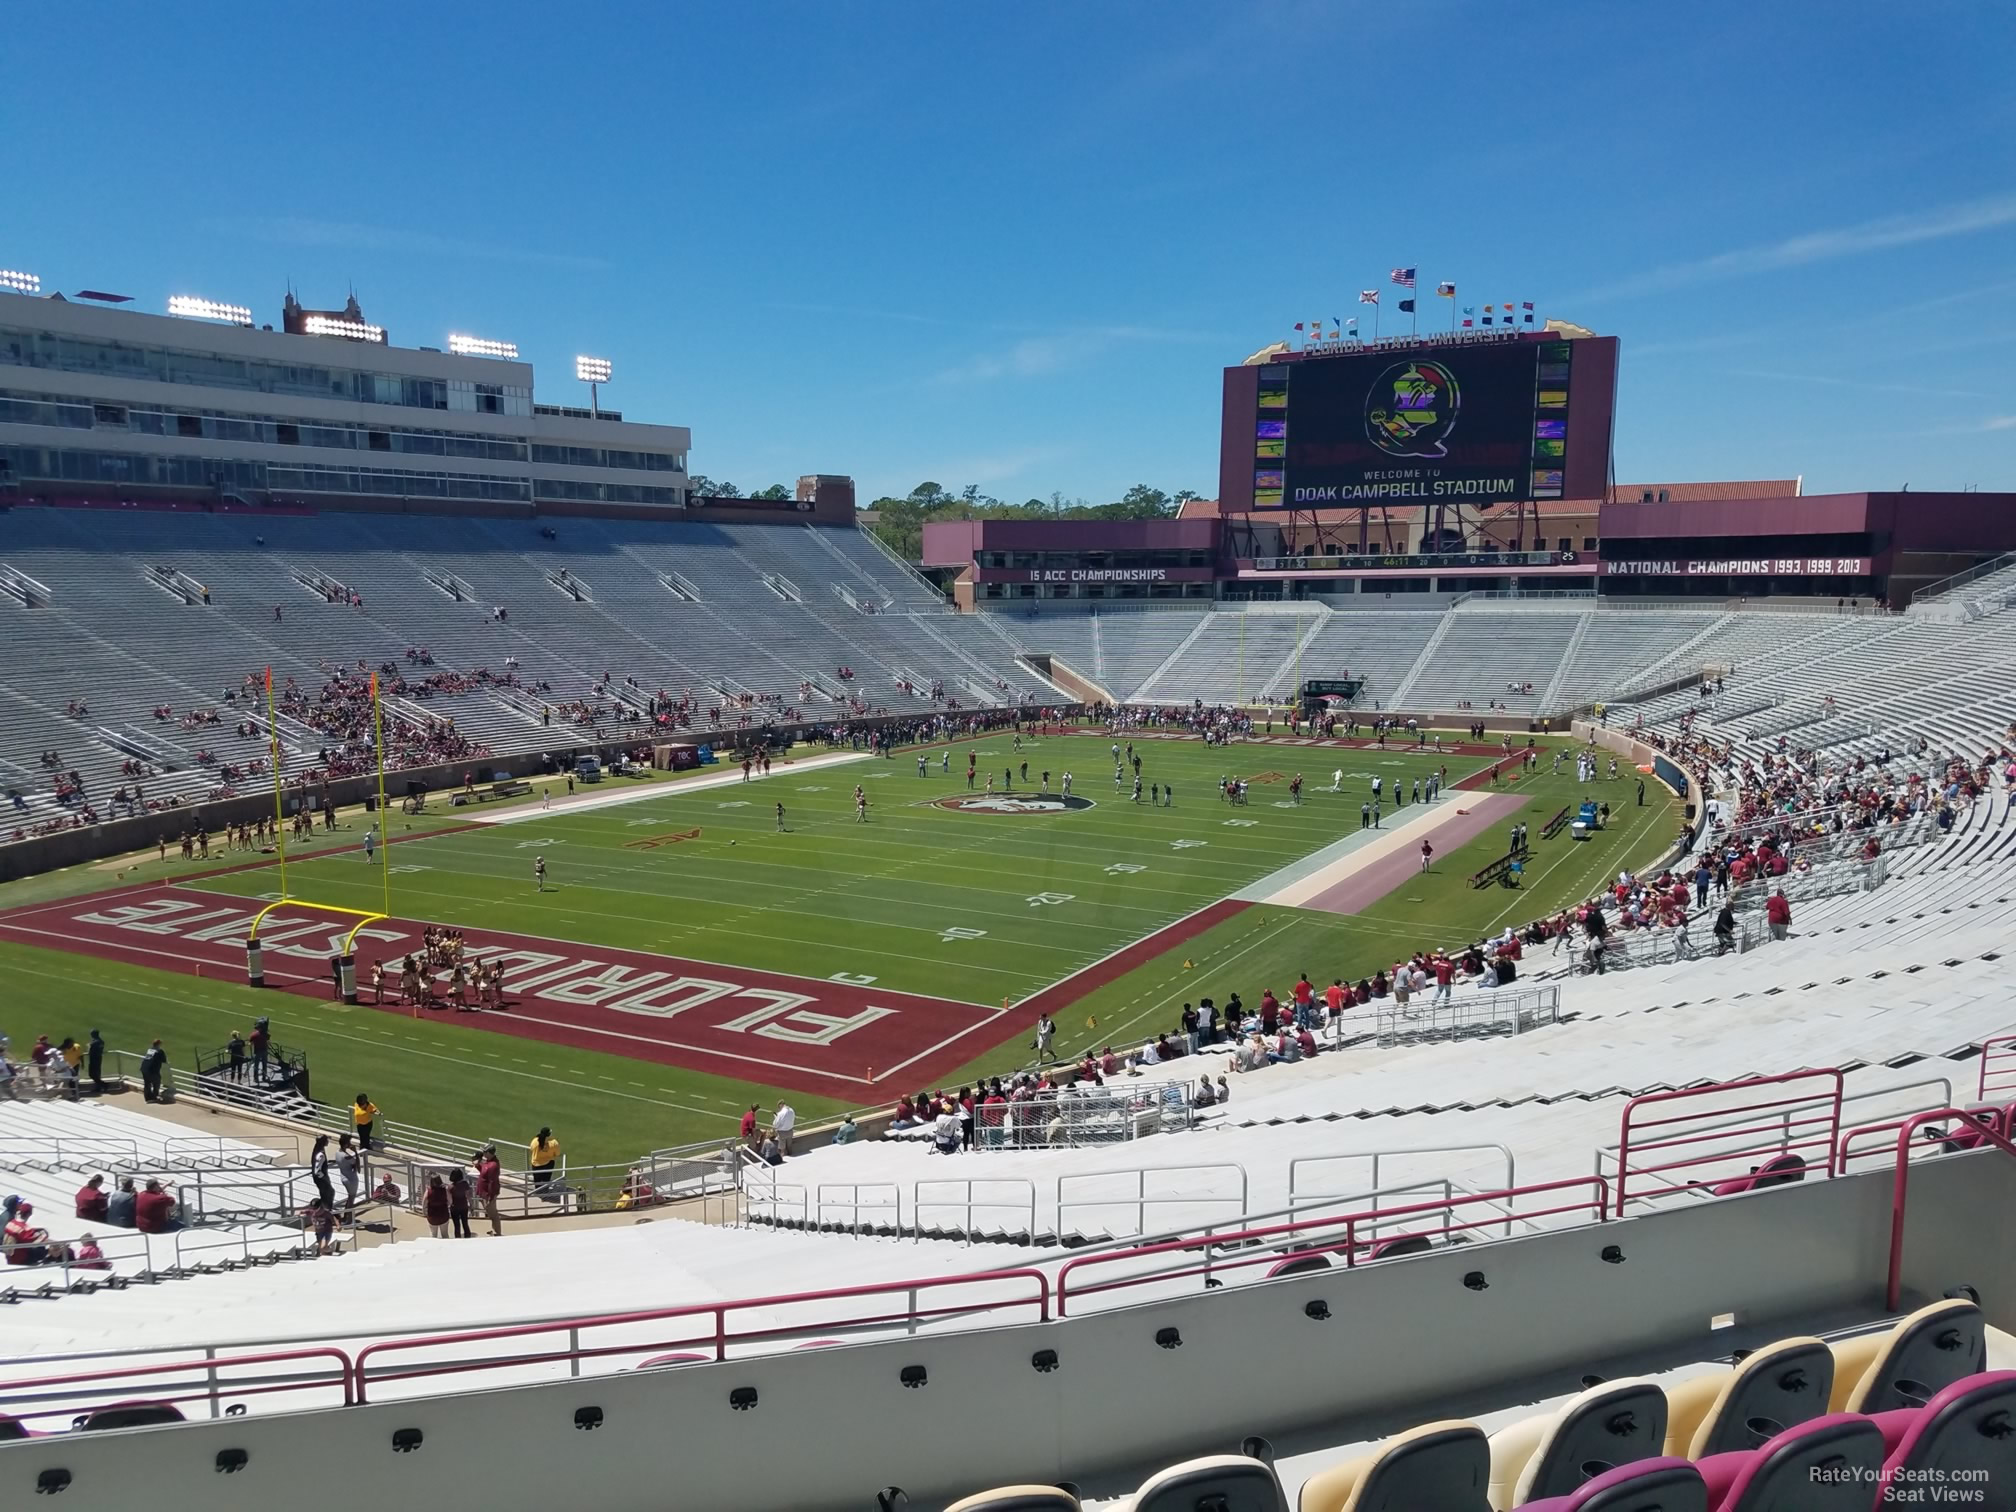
[1914,522]
[951,543]
[1235,440]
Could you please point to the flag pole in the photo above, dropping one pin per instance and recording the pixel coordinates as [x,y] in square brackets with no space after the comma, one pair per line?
[384,825]
[1414,315]
[279,793]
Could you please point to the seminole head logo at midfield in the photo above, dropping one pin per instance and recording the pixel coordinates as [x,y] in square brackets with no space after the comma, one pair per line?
[1411,409]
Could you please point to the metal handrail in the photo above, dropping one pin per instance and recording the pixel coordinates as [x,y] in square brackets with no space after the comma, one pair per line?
[1699,1132]
[209,1366]
[718,1311]
[1900,1188]
[1324,1232]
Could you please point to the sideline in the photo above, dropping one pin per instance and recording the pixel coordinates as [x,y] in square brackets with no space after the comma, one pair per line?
[580,803]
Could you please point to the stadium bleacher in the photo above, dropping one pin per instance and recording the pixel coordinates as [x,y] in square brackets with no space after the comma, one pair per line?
[1462,1155]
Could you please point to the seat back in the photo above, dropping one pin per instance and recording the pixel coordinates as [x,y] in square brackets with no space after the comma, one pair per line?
[1609,1425]
[129,1415]
[1221,1482]
[1018,1499]
[1654,1485]
[1298,1265]
[1826,1465]
[1445,1465]
[1926,1352]
[12,1428]
[1778,1387]
[1965,1439]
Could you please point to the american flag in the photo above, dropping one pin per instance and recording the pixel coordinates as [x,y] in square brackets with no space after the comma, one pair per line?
[1404,277]
[1368,296]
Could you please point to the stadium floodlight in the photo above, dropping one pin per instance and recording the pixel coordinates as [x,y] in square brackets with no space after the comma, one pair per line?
[350,330]
[476,346]
[192,307]
[593,371]
[20,283]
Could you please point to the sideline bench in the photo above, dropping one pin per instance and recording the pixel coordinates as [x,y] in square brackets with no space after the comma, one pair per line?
[1506,870]
[512,789]
[1555,825]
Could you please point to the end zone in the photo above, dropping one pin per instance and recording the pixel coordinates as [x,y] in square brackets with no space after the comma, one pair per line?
[842,1039]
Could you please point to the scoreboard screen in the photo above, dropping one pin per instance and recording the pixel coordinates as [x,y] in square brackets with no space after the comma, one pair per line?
[1458,423]
[1346,688]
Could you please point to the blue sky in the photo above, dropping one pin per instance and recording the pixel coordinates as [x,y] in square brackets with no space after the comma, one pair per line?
[1014,245]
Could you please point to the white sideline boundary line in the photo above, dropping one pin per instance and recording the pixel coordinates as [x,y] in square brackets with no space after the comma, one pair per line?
[581,803]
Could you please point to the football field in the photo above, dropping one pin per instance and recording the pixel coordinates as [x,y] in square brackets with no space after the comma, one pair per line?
[687,946]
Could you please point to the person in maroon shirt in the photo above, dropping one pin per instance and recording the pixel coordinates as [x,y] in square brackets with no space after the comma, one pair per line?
[154,1211]
[93,1200]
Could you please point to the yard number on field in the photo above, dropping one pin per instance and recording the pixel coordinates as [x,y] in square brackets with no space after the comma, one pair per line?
[734,803]
[538,844]
[1041,900]
[1123,868]
[961,932]
[851,979]
[1239,823]
[397,870]
[1187,844]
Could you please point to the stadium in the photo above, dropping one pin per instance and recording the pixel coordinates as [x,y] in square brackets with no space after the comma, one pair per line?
[1433,980]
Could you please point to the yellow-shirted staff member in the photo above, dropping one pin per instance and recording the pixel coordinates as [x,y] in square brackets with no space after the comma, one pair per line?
[363,1114]
[542,1153]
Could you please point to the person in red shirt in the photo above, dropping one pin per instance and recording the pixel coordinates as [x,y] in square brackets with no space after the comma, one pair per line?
[1305,1000]
[26,1244]
[154,1211]
[749,1127]
[1778,914]
[1445,973]
[92,1200]
[906,1113]
[1333,997]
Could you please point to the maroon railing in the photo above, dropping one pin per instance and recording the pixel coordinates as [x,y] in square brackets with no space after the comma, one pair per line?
[1968,1132]
[1703,1143]
[1356,1237]
[1998,1069]
[1901,1184]
[167,1383]
[717,1334]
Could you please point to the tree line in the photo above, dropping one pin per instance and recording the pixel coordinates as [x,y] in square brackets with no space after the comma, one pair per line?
[900,523]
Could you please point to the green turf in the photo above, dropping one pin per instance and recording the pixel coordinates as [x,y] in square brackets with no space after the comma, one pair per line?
[970,906]
[976,907]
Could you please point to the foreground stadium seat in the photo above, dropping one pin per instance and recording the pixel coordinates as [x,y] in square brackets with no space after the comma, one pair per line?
[1446,1466]
[1220,1482]
[1784,1384]
[12,1428]
[1614,1423]
[1931,1349]
[658,1361]
[1654,1485]
[1776,1171]
[1019,1499]
[1964,1439]
[128,1415]
[1830,1464]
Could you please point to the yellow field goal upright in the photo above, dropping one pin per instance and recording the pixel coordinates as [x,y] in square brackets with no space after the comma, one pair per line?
[344,972]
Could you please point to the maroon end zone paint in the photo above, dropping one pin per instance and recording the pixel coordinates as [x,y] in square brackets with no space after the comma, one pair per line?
[830,1039]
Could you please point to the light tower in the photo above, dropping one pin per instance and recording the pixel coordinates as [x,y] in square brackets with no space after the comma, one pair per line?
[593,371]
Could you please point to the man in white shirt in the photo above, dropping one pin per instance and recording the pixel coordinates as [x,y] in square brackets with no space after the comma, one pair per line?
[781,1124]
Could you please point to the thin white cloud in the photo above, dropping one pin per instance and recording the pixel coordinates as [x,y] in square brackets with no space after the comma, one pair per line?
[1036,356]
[1917,390]
[355,236]
[1880,235]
